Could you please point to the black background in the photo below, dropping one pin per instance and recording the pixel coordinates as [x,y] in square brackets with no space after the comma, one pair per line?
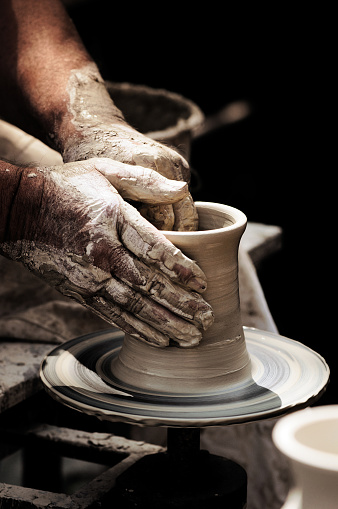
[277,165]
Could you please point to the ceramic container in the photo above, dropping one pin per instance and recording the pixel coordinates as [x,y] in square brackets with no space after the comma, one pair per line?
[222,357]
[309,440]
[162,115]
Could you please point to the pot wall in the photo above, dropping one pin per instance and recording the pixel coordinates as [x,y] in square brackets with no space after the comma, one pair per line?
[221,357]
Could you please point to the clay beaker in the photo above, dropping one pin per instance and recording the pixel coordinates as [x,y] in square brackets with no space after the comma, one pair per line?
[221,358]
[309,440]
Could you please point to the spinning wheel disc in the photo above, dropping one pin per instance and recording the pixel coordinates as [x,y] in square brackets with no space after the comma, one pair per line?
[285,375]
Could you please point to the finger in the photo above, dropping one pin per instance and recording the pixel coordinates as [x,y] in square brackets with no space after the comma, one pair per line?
[151,283]
[161,216]
[185,213]
[180,216]
[126,321]
[141,184]
[91,294]
[157,316]
[171,164]
[151,246]
[164,160]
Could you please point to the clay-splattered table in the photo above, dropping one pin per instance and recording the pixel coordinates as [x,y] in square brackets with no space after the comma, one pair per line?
[19,371]
[20,395]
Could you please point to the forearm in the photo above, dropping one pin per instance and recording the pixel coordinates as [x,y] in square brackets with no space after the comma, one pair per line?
[52,89]
[40,53]
[11,197]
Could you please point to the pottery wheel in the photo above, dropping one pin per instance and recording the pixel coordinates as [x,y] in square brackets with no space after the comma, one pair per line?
[285,375]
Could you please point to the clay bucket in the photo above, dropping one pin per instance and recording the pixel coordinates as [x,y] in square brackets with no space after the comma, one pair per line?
[162,115]
[221,358]
[309,440]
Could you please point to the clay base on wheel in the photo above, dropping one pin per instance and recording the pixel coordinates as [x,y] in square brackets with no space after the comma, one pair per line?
[285,375]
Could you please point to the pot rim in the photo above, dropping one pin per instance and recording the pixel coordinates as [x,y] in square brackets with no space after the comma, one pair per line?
[285,437]
[238,217]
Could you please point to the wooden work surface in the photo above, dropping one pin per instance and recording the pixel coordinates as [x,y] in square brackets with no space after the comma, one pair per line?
[19,371]
[20,361]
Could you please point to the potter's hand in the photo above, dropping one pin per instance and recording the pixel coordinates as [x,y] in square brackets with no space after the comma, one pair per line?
[99,130]
[122,143]
[71,227]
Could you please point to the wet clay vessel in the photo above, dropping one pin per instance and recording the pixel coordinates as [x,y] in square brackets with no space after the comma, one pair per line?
[221,358]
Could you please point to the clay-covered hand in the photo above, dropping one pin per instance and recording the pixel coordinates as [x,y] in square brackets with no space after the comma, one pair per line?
[70,226]
[97,129]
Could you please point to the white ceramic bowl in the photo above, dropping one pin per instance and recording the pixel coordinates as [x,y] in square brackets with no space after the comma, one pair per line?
[309,439]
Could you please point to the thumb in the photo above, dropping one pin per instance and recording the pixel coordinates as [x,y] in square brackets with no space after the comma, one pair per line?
[139,183]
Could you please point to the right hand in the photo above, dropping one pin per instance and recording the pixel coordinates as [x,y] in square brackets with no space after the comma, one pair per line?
[71,227]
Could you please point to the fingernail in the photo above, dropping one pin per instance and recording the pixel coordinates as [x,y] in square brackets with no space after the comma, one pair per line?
[178,184]
[190,343]
[177,189]
[207,319]
[198,284]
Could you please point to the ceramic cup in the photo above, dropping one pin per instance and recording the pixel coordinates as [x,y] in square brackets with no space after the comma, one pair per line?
[221,358]
[309,440]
